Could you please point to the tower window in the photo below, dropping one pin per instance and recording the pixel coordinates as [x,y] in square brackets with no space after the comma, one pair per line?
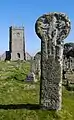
[18,33]
[18,54]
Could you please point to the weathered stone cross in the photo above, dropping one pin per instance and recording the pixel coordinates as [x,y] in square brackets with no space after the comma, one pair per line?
[52,29]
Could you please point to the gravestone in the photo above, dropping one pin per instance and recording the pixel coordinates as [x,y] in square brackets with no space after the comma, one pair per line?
[37,59]
[30,77]
[52,29]
[37,68]
[32,64]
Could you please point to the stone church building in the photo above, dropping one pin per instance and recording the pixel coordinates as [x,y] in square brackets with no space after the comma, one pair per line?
[16,45]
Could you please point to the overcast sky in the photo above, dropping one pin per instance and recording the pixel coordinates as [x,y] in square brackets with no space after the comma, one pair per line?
[26,12]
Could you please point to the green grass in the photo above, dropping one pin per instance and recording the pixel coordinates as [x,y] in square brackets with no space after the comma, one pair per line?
[14,70]
[15,91]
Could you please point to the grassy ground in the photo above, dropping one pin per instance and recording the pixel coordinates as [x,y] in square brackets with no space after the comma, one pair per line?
[15,93]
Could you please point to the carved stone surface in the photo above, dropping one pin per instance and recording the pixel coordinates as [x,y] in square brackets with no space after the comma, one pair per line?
[52,29]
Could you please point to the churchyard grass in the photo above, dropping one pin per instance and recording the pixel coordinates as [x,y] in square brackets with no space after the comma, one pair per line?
[14,90]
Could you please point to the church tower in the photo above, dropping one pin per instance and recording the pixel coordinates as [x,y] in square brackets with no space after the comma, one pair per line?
[17,43]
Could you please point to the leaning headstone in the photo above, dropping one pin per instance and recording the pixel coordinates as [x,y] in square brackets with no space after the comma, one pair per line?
[52,29]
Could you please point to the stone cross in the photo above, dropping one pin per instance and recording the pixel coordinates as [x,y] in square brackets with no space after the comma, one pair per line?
[52,29]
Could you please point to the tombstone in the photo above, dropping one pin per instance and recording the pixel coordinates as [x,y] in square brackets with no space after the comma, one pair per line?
[32,64]
[35,68]
[37,59]
[52,29]
[30,77]
[39,69]
[70,64]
